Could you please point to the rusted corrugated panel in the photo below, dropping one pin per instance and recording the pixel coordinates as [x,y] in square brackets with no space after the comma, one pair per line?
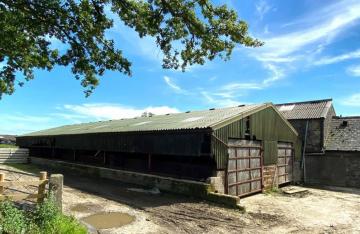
[305,110]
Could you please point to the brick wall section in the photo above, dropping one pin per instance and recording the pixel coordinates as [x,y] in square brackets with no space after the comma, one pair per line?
[270,178]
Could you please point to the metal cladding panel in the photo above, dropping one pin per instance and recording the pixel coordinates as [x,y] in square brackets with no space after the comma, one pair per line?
[190,143]
[265,125]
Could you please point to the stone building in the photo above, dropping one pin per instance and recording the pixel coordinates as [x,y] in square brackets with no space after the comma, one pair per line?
[340,164]
[331,155]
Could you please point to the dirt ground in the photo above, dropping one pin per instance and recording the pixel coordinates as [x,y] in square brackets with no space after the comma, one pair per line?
[330,210]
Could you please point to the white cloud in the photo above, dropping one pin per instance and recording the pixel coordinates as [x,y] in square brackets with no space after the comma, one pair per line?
[326,24]
[106,111]
[172,85]
[354,70]
[353,100]
[219,102]
[262,7]
[70,114]
[338,58]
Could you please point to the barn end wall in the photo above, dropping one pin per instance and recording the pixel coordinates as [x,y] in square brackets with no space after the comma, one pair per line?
[335,168]
[265,125]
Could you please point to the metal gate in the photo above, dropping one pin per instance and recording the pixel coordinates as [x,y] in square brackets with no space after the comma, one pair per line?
[285,162]
[244,172]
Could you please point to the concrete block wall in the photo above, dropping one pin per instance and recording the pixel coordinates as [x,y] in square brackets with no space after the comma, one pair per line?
[218,182]
[270,178]
[201,190]
[334,168]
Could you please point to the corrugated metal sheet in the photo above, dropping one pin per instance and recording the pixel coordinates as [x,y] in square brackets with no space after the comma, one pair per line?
[305,110]
[344,137]
[190,120]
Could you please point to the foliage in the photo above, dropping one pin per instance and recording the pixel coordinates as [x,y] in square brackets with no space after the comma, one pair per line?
[12,219]
[272,190]
[46,218]
[7,146]
[186,31]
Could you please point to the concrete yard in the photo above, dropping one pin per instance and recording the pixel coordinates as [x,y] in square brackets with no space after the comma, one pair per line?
[332,210]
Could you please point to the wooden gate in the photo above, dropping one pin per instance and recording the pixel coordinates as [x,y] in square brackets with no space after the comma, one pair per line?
[244,173]
[285,162]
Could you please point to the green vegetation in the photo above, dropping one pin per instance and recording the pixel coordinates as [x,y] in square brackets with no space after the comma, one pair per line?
[187,32]
[45,219]
[272,191]
[7,146]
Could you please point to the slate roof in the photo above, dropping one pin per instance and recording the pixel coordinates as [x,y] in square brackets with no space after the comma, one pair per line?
[188,120]
[305,110]
[344,137]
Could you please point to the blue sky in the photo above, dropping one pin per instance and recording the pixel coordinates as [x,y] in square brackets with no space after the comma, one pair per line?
[311,51]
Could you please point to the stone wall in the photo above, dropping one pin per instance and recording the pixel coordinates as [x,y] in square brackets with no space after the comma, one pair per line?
[314,141]
[298,175]
[270,178]
[335,168]
[327,122]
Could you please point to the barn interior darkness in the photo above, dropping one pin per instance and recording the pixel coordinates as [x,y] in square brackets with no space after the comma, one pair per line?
[188,167]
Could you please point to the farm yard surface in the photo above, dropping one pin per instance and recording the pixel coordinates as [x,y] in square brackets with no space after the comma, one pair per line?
[317,211]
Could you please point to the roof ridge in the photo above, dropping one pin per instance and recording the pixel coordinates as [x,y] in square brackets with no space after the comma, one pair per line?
[305,102]
[347,117]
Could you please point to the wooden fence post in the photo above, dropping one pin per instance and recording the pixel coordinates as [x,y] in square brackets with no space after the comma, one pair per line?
[41,189]
[2,179]
[56,184]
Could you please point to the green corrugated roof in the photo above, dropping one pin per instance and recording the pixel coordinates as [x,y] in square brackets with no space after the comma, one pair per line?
[187,120]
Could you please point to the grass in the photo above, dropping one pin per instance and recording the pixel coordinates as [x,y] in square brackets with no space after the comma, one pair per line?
[273,191]
[45,218]
[8,146]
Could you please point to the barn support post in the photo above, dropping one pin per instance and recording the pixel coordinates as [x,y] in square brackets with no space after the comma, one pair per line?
[149,162]
[74,155]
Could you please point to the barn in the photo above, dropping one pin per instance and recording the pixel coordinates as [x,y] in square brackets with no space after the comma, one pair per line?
[245,148]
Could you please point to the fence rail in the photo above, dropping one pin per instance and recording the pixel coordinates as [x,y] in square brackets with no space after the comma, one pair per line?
[14,155]
[40,195]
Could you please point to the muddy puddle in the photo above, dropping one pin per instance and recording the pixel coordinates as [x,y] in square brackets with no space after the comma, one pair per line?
[108,220]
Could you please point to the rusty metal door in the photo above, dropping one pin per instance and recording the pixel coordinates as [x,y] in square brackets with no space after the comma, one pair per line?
[244,172]
[285,162]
